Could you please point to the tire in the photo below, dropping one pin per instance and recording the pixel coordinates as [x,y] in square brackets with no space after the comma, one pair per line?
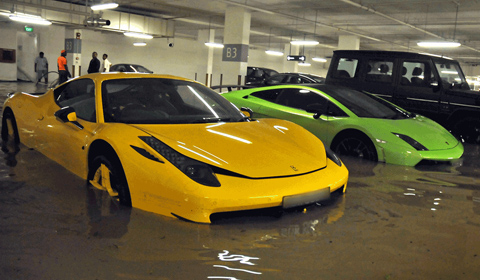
[117,180]
[355,145]
[468,129]
[9,128]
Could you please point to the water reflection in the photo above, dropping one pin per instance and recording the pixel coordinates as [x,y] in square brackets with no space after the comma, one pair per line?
[225,256]
[10,150]
[53,226]
[107,218]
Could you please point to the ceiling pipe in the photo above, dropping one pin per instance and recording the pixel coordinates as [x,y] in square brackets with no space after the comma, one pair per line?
[368,9]
[51,8]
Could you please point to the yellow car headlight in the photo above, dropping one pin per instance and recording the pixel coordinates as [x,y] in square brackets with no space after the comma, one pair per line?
[198,171]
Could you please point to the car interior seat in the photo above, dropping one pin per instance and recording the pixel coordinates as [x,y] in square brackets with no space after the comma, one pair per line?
[343,74]
[384,69]
[405,80]
[417,71]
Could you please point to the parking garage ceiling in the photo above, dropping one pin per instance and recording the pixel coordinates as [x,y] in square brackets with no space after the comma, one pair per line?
[380,24]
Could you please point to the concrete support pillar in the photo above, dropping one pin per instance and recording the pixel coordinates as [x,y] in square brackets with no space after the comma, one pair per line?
[348,42]
[236,40]
[73,46]
[207,35]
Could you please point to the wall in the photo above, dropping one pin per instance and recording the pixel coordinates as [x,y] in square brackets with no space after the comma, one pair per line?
[8,33]
[51,41]
[187,57]
[184,59]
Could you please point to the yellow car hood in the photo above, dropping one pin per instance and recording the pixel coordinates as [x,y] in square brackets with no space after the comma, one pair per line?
[257,149]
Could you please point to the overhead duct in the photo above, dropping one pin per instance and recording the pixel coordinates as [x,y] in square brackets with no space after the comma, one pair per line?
[96,20]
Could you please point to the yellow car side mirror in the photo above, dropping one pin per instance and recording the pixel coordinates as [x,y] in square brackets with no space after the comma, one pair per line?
[247,112]
[68,115]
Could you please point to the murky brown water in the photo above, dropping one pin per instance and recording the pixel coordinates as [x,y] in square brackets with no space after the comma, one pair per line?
[394,222]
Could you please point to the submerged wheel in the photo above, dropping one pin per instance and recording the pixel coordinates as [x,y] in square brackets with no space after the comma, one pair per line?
[468,129]
[355,145]
[106,173]
[9,128]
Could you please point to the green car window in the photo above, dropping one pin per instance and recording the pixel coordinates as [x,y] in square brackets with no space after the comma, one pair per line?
[364,105]
[299,98]
[269,95]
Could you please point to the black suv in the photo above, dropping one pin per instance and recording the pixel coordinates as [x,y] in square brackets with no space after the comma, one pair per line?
[430,85]
[258,74]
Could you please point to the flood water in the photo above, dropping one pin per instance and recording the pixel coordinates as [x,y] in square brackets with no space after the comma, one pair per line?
[394,222]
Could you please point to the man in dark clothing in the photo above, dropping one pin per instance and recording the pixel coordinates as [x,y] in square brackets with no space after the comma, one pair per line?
[94,64]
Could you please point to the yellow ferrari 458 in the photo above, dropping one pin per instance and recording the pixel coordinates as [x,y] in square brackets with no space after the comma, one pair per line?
[172,146]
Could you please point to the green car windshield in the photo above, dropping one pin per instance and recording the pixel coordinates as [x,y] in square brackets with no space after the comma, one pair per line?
[164,101]
[365,105]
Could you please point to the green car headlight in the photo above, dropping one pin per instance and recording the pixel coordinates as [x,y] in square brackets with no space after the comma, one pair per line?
[411,141]
[198,171]
[332,156]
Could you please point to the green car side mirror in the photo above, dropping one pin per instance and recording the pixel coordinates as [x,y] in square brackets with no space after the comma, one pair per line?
[316,108]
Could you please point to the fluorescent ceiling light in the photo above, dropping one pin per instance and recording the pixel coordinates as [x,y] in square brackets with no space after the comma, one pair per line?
[214,45]
[319,59]
[304,43]
[104,6]
[449,72]
[138,35]
[139,44]
[25,18]
[438,44]
[276,53]
[304,64]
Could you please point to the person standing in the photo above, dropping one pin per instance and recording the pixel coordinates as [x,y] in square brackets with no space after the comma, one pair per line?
[63,73]
[105,63]
[41,67]
[94,65]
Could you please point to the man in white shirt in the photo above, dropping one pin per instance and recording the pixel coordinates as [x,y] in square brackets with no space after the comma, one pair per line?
[105,64]
[41,67]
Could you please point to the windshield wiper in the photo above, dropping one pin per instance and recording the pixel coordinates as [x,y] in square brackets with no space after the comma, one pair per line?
[215,119]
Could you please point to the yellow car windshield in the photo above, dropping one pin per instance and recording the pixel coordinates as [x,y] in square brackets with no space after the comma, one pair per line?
[157,100]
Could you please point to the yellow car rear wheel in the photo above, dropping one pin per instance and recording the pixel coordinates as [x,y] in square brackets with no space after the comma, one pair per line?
[9,128]
[106,173]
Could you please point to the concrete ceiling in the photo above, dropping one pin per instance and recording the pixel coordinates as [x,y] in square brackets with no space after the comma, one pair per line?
[380,24]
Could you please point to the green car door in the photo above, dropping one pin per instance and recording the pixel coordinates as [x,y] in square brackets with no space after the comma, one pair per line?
[291,104]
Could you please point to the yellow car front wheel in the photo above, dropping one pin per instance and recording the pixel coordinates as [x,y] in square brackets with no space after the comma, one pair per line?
[106,173]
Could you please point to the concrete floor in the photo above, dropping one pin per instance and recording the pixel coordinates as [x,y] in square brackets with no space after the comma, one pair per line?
[394,222]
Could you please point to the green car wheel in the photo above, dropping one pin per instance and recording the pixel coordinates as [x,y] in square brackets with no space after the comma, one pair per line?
[355,145]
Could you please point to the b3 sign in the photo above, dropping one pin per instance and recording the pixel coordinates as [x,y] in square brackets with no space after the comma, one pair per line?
[235,52]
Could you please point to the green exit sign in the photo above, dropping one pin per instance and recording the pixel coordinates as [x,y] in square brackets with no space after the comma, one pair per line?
[28,29]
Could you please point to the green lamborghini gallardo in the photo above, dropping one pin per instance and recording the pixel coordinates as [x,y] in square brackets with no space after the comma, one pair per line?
[354,123]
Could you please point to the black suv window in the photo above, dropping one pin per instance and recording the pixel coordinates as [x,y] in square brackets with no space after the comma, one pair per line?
[346,68]
[416,73]
[80,95]
[379,71]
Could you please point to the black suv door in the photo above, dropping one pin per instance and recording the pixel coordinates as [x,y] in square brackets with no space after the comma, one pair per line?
[416,91]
